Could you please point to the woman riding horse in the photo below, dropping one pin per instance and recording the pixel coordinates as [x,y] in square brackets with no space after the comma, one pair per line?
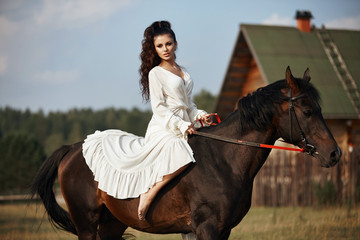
[129,166]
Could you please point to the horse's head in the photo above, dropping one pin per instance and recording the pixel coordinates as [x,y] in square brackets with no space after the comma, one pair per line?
[301,122]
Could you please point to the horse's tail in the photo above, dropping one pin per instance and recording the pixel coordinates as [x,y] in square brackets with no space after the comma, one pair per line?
[43,186]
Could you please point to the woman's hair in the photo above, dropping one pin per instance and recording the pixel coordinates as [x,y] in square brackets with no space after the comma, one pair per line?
[148,55]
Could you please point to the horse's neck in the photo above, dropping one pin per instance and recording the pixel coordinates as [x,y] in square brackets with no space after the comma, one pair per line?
[247,160]
[258,156]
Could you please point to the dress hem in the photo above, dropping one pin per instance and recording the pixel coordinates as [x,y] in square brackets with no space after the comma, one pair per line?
[124,184]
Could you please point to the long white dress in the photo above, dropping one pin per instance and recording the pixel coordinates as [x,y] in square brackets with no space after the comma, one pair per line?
[126,165]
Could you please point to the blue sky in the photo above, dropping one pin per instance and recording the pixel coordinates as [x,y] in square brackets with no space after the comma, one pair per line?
[61,54]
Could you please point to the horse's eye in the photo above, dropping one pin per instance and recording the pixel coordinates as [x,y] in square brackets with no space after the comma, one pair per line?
[307,113]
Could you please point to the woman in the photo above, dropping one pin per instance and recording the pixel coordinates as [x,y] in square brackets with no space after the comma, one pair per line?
[129,166]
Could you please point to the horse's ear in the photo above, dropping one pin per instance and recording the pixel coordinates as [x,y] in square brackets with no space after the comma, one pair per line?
[307,77]
[291,82]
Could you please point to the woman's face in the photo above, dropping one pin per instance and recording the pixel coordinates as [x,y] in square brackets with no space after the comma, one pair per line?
[165,47]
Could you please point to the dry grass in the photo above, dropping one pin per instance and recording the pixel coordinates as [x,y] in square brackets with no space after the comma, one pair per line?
[287,223]
[21,221]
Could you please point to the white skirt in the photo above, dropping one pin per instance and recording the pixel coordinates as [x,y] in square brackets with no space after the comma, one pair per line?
[126,165]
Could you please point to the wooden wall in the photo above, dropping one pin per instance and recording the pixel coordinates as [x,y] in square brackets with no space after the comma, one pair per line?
[254,79]
[234,79]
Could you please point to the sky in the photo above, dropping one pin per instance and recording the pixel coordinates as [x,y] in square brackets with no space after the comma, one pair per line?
[57,55]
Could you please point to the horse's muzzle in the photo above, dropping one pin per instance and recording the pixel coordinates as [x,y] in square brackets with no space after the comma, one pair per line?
[334,157]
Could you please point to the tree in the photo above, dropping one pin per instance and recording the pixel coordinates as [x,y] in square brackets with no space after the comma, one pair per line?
[75,134]
[53,142]
[205,100]
[20,158]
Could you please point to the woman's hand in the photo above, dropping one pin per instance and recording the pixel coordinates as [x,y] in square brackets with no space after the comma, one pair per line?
[191,129]
[207,119]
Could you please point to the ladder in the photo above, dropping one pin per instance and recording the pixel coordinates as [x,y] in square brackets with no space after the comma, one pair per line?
[337,61]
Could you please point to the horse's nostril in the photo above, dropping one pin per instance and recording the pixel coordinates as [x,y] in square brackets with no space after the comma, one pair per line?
[335,155]
[339,151]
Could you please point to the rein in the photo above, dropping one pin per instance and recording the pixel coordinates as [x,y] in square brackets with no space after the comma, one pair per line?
[246,143]
[308,149]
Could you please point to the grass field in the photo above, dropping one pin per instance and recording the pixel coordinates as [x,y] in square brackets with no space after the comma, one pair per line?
[22,221]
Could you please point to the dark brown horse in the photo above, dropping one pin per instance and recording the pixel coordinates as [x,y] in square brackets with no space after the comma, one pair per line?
[211,196]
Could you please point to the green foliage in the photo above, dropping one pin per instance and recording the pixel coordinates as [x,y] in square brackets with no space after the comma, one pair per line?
[26,138]
[205,101]
[58,128]
[325,193]
[20,158]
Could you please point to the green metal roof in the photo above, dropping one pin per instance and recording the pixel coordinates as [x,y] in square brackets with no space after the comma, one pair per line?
[274,48]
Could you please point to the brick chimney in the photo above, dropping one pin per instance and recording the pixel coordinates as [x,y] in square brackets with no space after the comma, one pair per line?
[303,20]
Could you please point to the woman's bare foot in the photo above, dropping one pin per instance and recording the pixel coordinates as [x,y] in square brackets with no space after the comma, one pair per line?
[144,205]
[148,197]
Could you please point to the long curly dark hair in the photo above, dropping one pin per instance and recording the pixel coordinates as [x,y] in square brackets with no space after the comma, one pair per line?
[148,55]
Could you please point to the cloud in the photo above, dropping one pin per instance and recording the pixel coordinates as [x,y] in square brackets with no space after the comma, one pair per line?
[56,77]
[77,13]
[275,19]
[7,27]
[3,65]
[345,23]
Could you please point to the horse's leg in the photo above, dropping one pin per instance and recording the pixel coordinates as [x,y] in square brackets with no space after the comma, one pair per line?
[208,231]
[189,236]
[80,193]
[225,235]
[110,228]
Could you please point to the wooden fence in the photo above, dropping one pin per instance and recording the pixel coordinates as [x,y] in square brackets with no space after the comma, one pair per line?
[288,179]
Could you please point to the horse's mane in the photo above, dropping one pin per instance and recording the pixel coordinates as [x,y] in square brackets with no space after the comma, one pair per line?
[257,109]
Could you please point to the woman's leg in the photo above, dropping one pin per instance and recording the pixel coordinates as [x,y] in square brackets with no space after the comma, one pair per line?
[148,197]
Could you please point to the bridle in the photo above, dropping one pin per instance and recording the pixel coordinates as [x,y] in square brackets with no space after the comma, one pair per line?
[308,148]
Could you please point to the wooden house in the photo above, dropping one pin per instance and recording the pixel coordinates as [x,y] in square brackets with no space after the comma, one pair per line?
[260,56]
